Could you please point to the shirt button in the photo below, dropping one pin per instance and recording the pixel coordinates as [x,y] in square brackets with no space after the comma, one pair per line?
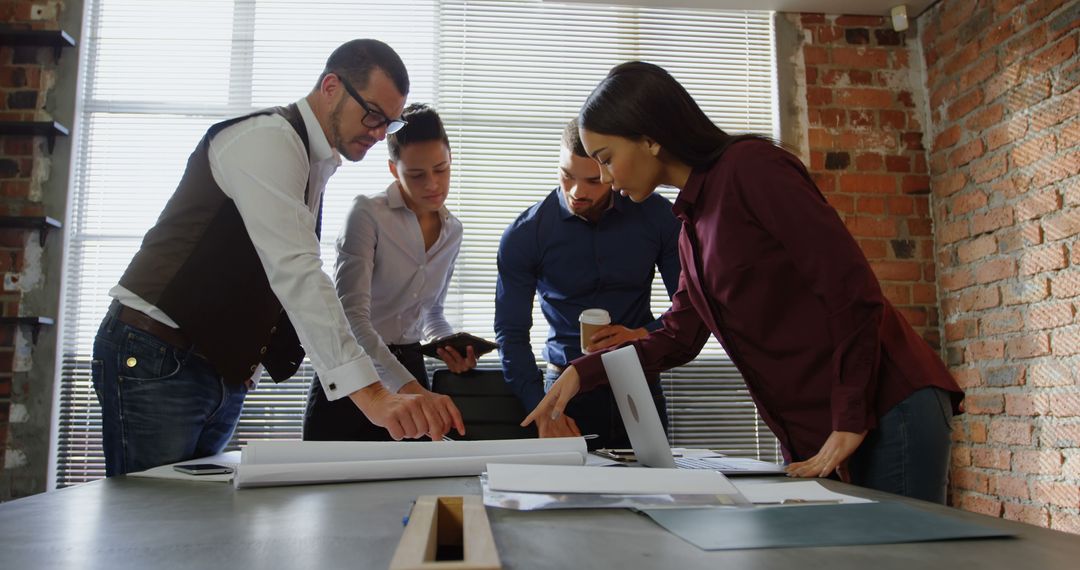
[273,330]
[253,367]
[262,350]
[333,386]
[131,362]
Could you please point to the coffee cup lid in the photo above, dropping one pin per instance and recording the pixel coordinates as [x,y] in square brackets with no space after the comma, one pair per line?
[595,317]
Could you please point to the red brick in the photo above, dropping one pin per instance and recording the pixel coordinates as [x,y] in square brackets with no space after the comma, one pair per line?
[971,480]
[892,119]
[1027,405]
[915,184]
[965,104]
[969,151]
[969,378]
[1065,285]
[953,232]
[901,205]
[998,137]
[1012,432]
[977,248]
[842,203]
[1033,150]
[991,458]
[873,248]
[1055,111]
[943,93]
[1064,495]
[991,220]
[981,505]
[896,270]
[1062,167]
[1049,315]
[897,163]
[979,299]
[1009,487]
[818,96]
[1038,204]
[1062,225]
[1058,435]
[979,72]
[860,57]
[868,183]
[1067,341]
[995,35]
[1028,346]
[957,279]
[815,55]
[868,161]
[1050,372]
[863,226]
[984,350]
[862,97]
[1065,522]
[950,183]
[1037,516]
[1051,57]
[924,294]
[1001,322]
[1024,45]
[811,18]
[860,21]
[825,182]
[984,404]
[1064,405]
[1038,462]
[827,34]
[1045,258]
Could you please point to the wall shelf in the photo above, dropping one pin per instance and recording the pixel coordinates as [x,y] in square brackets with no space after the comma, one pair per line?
[41,223]
[56,39]
[35,322]
[48,129]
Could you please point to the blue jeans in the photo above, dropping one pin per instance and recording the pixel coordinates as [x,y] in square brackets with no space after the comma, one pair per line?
[908,453]
[159,404]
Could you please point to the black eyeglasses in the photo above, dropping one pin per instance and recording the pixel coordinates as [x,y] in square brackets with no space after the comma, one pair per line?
[372,119]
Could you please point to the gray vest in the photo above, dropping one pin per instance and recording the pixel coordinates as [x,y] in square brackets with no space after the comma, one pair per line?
[198,265]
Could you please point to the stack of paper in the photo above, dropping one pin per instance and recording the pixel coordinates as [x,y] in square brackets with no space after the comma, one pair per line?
[274,463]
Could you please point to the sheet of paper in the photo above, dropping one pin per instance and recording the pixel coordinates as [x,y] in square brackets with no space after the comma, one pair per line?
[273,452]
[627,481]
[280,474]
[794,492]
[228,459]
[544,501]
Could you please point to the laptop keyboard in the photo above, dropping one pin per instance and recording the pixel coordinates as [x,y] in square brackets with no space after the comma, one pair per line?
[694,463]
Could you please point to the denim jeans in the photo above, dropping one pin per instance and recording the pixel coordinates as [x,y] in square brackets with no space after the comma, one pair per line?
[159,404]
[908,453]
[597,412]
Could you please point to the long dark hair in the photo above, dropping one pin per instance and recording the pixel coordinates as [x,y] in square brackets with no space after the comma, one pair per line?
[639,99]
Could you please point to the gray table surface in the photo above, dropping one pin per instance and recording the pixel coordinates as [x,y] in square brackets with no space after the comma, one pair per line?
[143,523]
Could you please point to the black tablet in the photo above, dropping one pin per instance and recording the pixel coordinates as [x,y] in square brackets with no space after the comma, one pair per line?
[459,341]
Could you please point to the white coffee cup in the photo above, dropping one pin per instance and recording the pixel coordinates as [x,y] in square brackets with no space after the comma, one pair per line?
[591,321]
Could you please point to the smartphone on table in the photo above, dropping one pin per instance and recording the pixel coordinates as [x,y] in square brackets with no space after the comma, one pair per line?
[203,469]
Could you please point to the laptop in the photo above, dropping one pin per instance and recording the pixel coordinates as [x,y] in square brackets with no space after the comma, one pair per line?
[643,426]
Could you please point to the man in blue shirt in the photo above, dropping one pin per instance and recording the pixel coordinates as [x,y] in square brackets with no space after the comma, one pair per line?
[581,247]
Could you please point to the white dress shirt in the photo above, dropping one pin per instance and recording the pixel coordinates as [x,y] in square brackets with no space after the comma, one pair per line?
[393,289]
[260,163]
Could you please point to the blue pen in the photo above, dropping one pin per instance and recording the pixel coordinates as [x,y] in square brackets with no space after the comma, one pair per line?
[405,519]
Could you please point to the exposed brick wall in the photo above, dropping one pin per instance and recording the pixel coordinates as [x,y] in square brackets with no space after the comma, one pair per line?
[865,137]
[26,76]
[1004,111]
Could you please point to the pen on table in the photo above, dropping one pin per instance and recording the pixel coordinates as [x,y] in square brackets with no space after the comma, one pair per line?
[802,502]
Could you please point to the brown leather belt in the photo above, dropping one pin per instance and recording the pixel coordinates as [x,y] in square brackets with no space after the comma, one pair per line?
[143,322]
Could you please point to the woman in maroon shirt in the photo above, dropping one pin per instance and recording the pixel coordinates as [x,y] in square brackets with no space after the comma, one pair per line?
[770,270]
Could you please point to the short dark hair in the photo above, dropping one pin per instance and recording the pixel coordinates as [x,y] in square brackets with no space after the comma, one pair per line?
[571,139]
[639,99]
[354,60]
[424,124]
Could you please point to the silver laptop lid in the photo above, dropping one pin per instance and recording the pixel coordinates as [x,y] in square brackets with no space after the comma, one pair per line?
[636,407]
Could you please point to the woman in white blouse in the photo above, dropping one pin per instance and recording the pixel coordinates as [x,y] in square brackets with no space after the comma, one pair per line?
[396,255]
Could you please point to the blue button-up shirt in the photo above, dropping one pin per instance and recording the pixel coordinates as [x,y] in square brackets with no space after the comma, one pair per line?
[577,265]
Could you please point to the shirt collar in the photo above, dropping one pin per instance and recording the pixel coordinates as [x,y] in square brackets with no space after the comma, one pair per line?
[320,149]
[689,194]
[616,204]
[396,201]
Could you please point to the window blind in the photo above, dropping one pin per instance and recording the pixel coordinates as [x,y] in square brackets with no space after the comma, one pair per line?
[505,75]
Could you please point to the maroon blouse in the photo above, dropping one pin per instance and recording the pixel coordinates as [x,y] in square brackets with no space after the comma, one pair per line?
[769,268]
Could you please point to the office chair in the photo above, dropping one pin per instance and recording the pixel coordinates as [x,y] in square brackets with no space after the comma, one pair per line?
[489,408]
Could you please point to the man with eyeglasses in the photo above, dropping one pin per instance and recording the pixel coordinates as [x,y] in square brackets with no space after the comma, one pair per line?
[229,281]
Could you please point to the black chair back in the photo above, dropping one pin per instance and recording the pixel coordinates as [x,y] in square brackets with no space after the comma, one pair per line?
[489,408]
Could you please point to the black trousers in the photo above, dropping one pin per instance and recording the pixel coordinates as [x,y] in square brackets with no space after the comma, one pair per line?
[341,420]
